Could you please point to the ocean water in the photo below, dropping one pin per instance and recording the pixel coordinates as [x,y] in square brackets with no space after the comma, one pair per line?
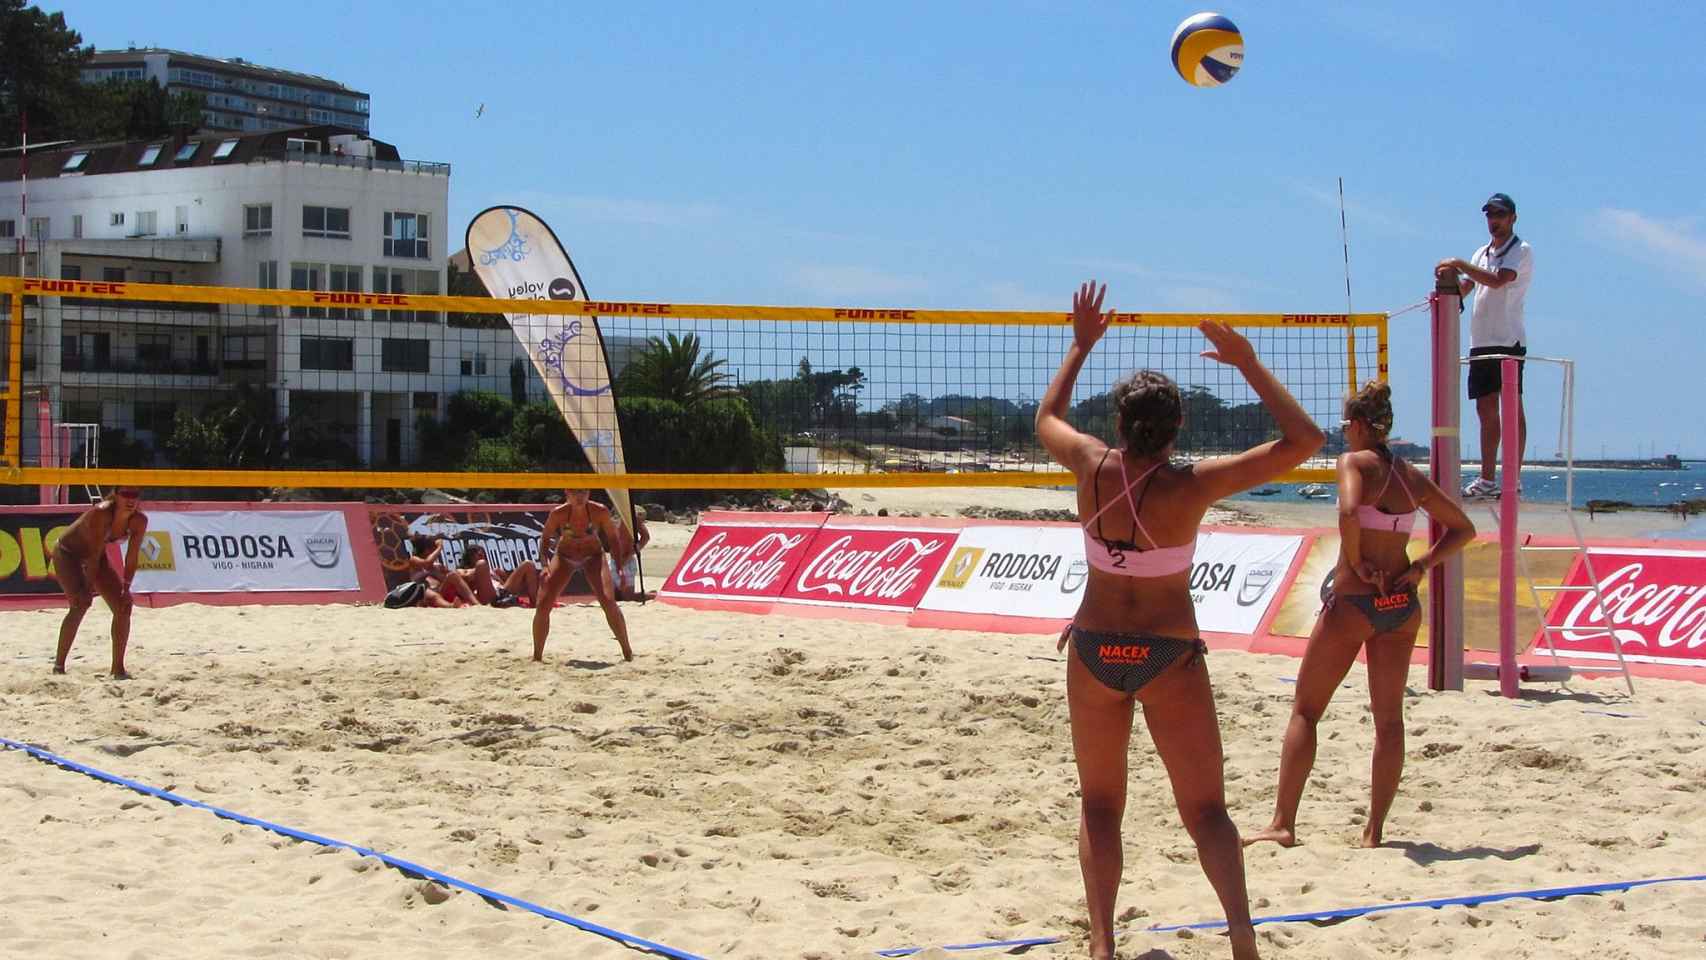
[1546,484]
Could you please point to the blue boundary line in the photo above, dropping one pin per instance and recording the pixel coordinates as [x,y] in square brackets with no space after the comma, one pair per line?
[408,869]
[1473,900]
[1327,917]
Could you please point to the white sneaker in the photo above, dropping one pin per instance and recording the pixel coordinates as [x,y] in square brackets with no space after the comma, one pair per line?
[1480,487]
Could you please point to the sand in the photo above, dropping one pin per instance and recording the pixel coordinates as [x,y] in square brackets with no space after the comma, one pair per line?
[773,787]
[780,787]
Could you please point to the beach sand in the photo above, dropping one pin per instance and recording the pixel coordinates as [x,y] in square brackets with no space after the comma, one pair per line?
[771,786]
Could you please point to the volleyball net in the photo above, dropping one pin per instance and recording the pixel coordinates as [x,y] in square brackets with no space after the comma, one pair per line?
[335,387]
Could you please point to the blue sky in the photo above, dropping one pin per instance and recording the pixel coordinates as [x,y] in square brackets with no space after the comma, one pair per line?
[991,155]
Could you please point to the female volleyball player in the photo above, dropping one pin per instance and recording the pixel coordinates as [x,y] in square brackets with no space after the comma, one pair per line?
[80,564]
[1370,605]
[571,542]
[1135,636]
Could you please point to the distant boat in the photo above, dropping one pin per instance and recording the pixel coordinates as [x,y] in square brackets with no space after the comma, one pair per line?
[1314,491]
[1553,477]
[1270,491]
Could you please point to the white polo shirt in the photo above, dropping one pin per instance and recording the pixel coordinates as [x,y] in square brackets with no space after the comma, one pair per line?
[1497,320]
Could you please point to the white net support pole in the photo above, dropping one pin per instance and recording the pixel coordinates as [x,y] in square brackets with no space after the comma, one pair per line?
[1510,442]
[1445,581]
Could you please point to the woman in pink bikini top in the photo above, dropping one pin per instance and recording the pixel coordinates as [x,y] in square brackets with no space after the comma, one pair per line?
[1134,639]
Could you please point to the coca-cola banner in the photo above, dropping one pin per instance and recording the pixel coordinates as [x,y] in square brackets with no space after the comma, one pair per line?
[1657,605]
[746,558]
[874,567]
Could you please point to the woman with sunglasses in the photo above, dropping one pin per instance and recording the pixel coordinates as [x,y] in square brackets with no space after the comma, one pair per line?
[81,565]
[1369,606]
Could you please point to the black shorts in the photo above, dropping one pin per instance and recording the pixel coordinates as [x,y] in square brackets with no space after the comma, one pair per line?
[1485,376]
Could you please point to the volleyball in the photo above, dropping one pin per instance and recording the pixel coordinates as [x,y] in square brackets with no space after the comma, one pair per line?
[1207,50]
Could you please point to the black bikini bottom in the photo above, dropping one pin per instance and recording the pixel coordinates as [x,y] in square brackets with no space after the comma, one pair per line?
[1127,662]
[1384,612]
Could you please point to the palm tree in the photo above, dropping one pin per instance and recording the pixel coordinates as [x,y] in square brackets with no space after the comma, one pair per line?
[675,370]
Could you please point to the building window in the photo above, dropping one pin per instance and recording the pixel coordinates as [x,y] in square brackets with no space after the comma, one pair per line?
[225,148]
[187,151]
[154,352]
[474,364]
[77,226]
[245,351]
[155,416]
[405,356]
[330,222]
[307,276]
[257,220]
[86,351]
[70,271]
[344,278]
[150,155]
[8,229]
[425,402]
[328,353]
[39,229]
[157,276]
[406,235]
[147,223]
[181,215]
[112,274]
[75,162]
[268,281]
[117,220]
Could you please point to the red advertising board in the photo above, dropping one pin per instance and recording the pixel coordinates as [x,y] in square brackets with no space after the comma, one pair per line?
[1656,599]
[872,567]
[744,557]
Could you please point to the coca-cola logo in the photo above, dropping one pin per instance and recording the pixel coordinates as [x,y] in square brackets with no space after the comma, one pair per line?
[755,567]
[1666,615]
[885,573]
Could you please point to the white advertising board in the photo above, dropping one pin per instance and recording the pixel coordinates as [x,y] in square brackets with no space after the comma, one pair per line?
[1039,571]
[223,551]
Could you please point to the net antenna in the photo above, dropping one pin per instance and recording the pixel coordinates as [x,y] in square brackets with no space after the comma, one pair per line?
[1345,243]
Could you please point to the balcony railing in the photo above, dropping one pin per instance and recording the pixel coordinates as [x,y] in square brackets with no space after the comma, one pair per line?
[78,363]
[429,168]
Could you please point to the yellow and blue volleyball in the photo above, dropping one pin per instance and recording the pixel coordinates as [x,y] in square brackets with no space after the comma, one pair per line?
[1207,50]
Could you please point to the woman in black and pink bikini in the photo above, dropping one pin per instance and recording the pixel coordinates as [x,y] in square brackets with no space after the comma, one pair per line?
[571,541]
[1370,605]
[1135,639]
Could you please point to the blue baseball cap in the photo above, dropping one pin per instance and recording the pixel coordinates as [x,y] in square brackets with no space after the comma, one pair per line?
[1499,201]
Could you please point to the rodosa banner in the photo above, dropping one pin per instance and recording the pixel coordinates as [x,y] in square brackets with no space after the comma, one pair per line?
[226,551]
[517,257]
[1039,572]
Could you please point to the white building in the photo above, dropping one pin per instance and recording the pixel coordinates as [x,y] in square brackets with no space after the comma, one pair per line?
[238,95]
[318,208]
